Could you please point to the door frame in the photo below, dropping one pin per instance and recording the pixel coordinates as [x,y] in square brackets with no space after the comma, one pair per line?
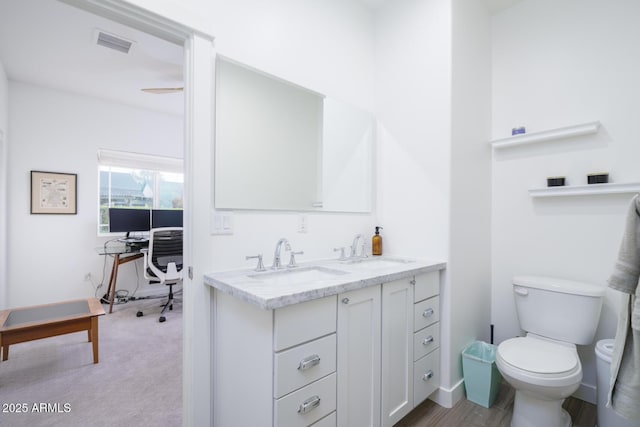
[174,24]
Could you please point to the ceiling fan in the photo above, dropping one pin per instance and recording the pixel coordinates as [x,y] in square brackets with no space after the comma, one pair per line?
[162,90]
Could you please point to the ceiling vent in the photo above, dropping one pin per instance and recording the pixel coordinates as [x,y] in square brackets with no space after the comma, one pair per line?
[113,42]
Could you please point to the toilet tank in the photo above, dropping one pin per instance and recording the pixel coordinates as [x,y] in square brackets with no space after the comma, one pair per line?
[559,309]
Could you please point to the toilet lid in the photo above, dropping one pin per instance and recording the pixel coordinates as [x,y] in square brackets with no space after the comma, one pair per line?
[539,356]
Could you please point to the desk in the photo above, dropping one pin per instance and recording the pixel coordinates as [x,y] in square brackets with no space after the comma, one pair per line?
[122,254]
[24,324]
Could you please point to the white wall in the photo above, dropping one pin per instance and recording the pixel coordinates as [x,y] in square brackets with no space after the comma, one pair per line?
[413,107]
[61,132]
[324,46]
[4,121]
[433,106]
[469,264]
[557,64]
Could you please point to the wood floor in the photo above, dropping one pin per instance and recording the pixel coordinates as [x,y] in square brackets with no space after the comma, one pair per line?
[466,413]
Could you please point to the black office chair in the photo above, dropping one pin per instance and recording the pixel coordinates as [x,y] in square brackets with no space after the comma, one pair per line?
[163,261]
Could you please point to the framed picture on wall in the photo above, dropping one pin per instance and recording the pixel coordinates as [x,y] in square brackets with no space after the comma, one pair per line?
[54,193]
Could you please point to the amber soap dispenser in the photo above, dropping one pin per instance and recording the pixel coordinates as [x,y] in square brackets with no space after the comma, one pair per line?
[376,242]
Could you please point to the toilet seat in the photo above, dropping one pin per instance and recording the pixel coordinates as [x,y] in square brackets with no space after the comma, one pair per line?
[539,361]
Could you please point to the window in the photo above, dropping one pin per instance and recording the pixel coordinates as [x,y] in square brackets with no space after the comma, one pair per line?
[137,181]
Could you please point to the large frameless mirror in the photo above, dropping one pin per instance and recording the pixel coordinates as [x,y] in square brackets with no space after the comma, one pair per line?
[279,146]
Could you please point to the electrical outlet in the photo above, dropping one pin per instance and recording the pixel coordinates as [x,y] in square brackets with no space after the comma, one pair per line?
[87,277]
[303,224]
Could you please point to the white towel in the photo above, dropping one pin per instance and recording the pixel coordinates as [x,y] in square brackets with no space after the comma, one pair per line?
[624,391]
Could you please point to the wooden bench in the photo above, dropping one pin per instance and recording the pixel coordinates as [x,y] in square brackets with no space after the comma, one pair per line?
[18,325]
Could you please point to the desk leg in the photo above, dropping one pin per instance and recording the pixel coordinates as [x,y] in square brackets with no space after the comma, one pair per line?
[94,337]
[112,281]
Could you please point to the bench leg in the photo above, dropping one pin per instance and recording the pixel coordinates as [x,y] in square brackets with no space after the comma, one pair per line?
[5,352]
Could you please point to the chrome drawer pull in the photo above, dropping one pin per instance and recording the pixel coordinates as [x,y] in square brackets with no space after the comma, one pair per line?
[427,340]
[428,312]
[309,362]
[428,375]
[309,404]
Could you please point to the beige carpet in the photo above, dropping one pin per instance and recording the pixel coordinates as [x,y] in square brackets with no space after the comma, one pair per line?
[138,382]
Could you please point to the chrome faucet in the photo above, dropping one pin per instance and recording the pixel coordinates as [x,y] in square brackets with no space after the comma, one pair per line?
[276,255]
[354,247]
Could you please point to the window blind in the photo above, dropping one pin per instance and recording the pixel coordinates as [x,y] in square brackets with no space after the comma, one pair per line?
[140,161]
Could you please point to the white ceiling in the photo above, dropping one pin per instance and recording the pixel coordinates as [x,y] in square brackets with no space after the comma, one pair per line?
[51,44]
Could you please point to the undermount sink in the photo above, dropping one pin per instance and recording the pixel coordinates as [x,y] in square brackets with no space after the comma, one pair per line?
[376,263]
[292,276]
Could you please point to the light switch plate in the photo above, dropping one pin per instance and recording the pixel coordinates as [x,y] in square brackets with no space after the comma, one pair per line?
[221,223]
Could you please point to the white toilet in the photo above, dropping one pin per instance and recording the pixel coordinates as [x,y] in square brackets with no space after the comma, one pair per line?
[543,366]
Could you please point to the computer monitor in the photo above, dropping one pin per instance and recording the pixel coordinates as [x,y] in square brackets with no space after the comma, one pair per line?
[125,220]
[166,218]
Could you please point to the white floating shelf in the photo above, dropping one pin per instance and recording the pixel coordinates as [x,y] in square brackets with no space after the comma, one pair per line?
[585,190]
[531,138]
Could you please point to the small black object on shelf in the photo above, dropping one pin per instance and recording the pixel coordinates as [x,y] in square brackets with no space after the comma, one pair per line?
[556,181]
[598,178]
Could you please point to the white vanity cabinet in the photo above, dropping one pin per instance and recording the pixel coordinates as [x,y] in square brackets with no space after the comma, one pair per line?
[274,367]
[362,357]
[426,337]
[377,364]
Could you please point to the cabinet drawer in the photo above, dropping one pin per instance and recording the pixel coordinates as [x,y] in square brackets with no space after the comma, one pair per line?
[426,313]
[426,340]
[328,421]
[307,405]
[299,366]
[426,377]
[427,286]
[299,323]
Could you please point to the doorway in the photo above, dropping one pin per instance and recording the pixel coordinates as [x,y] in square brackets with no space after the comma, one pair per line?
[198,68]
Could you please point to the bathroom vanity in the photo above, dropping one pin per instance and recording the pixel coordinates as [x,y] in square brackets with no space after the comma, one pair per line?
[325,344]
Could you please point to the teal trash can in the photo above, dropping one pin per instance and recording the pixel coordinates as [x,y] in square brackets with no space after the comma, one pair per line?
[481,375]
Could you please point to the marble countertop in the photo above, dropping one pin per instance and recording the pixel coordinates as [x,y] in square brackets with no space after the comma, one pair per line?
[312,280]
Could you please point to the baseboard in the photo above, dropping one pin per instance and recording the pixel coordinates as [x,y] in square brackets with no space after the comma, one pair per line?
[448,397]
[587,392]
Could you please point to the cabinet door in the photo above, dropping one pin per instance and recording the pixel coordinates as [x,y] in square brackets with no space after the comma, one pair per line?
[397,351]
[358,336]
